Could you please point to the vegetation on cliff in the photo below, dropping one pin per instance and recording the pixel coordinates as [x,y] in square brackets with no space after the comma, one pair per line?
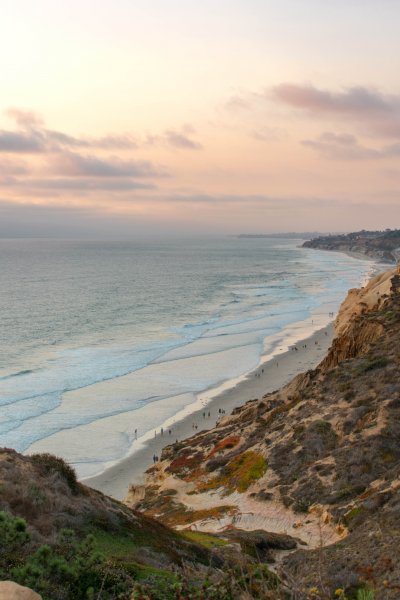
[381,245]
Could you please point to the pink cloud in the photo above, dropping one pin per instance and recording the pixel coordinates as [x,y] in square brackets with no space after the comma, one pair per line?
[374,110]
[347,147]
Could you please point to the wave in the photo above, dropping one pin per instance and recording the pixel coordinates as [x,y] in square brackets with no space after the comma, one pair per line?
[77,385]
[18,374]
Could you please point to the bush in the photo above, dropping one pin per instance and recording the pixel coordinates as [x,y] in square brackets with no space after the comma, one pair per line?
[70,570]
[48,464]
[13,539]
[370,365]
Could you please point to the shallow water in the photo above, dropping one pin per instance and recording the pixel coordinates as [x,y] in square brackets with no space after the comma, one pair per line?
[99,339]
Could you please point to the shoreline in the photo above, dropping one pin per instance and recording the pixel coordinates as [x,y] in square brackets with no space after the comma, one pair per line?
[272,373]
[116,479]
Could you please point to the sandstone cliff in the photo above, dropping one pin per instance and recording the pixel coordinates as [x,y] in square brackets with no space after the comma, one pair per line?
[316,462]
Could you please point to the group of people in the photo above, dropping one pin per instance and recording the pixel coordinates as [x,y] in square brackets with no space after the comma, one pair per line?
[221,411]
[161,432]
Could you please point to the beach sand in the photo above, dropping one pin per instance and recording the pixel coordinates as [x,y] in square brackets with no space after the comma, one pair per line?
[269,376]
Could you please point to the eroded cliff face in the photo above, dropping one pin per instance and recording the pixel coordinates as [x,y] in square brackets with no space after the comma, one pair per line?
[354,334]
[318,460]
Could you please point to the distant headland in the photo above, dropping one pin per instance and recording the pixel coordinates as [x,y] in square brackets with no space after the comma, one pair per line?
[381,245]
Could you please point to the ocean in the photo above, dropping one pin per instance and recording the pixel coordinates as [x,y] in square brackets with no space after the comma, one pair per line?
[99,339]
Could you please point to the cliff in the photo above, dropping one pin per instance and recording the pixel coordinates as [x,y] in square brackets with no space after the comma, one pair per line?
[315,464]
[379,245]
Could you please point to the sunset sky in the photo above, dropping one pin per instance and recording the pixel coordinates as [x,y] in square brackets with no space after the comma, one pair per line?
[140,117]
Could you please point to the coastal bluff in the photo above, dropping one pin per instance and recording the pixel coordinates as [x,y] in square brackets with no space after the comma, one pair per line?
[316,462]
[383,246]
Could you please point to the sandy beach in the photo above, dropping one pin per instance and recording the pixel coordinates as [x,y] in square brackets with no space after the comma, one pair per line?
[269,376]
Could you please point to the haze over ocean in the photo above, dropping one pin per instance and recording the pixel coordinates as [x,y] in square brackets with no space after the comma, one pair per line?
[98,339]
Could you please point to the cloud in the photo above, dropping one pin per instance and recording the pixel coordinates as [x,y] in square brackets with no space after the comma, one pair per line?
[125,141]
[26,119]
[12,167]
[199,213]
[353,100]
[347,147]
[268,134]
[21,143]
[179,139]
[76,165]
[65,184]
[34,137]
[376,111]
[238,103]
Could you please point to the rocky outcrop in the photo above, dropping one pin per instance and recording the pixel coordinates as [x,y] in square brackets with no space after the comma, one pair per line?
[12,591]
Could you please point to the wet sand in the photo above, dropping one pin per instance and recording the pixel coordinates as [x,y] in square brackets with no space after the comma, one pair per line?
[269,376]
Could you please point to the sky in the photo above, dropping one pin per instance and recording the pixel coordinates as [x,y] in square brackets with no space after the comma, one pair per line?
[141,117]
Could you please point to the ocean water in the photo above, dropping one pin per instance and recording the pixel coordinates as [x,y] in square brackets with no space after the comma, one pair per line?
[98,339]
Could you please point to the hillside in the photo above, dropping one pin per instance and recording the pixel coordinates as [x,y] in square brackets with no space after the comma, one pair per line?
[69,542]
[380,245]
[316,464]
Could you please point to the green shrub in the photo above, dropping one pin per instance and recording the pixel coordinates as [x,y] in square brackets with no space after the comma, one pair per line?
[365,594]
[13,539]
[322,427]
[48,464]
[70,570]
[370,365]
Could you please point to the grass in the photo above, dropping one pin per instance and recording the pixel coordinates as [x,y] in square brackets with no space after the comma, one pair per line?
[112,546]
[204,539]
[353,514]
[239,473]
[370,365]
[188,517]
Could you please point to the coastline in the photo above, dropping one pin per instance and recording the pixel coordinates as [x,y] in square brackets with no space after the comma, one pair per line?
[116,479]
[274,372]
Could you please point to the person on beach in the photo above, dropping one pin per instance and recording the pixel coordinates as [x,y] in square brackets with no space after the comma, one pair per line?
[162,431]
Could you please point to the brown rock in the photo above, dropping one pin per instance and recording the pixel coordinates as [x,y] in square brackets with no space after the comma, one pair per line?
[12,591]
